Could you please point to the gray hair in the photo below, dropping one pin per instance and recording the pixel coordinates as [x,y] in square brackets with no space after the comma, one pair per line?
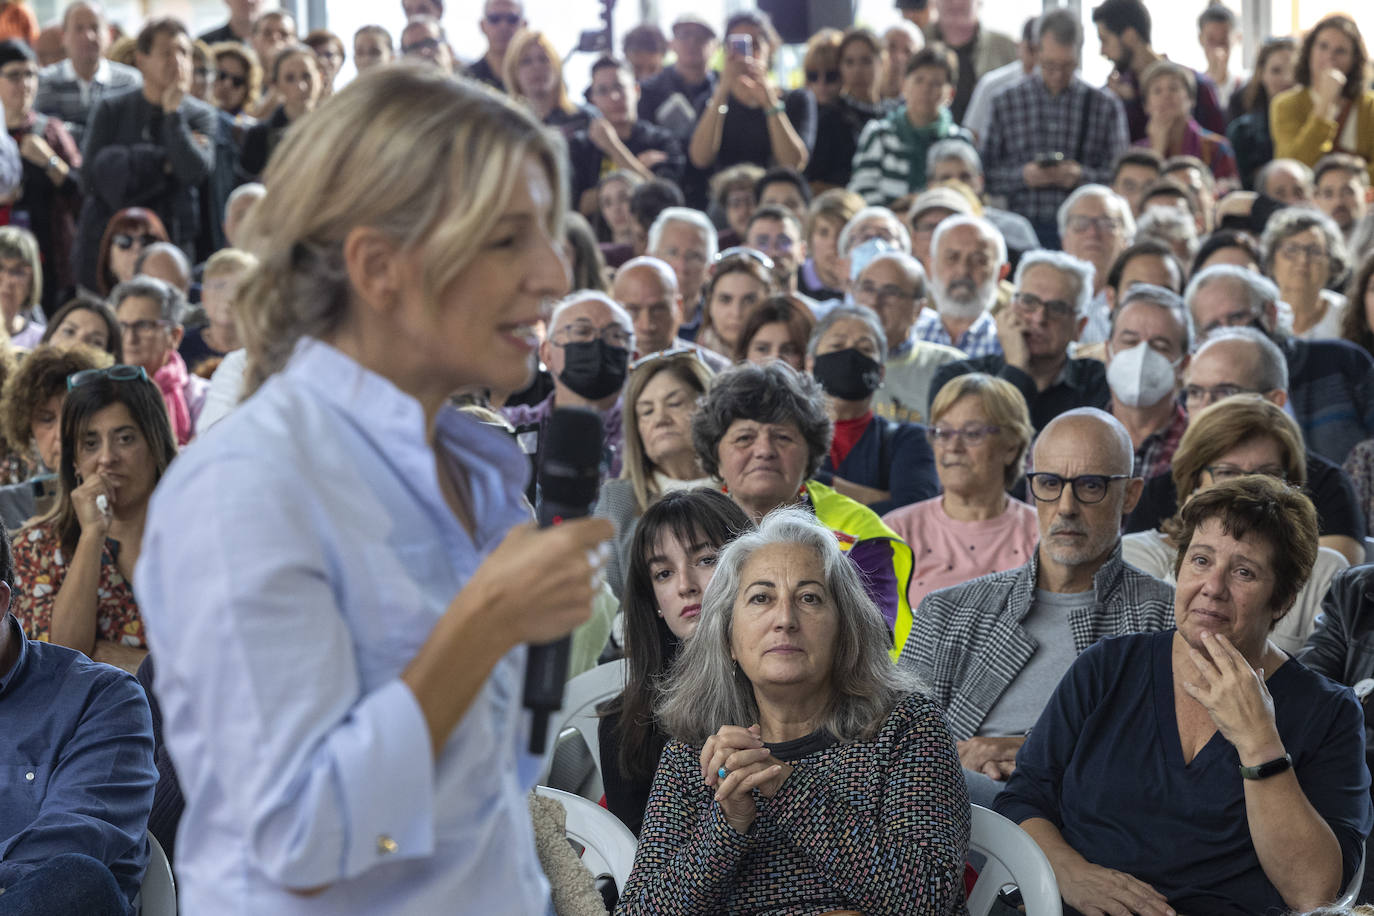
[1079,273]
[772,393]
[660,268]
[953,148]
[1260,291]
[1168,225]
[985,228]
[1109,197]
[706,690]
[867,213]
[909,265]
[1062,25]
[1289,221]
[856,312]
[255,189]
[1302,168]
[1163,298]
[176,254]
[579,296]
[694,218]
[1125,457]
[1273,366]
[170,303]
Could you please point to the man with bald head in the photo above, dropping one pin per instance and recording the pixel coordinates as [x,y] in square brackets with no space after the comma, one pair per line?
[587,351]
[166,262]
[894,285]
[71,88]
[647,289]
[992,651]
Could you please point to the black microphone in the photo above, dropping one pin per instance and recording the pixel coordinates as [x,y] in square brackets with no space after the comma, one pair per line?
[569,474]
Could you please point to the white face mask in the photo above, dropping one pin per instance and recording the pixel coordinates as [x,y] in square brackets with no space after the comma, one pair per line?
[1141,376]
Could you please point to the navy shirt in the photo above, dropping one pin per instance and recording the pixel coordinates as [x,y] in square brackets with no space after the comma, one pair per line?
[1105,765]
[76,763]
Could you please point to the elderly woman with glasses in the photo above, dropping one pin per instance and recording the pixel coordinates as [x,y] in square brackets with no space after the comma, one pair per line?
[763,432]
[1304,253]
[1237,436]
[883,464]
[73,566]
[804,772]
[980,430]
[657,456]
[149,313]
[1201,769]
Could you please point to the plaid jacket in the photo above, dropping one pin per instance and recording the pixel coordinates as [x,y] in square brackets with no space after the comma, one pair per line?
[967,644]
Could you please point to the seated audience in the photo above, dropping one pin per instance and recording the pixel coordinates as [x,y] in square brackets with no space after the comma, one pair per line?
[1359,297]
[1132,172]
[1095,225]
[1128,780]
[901,40]
[86,321]
[873,223]
[1227,246]
[612,220]
[70,89]
[894,286]
[777,328]
[18,462]
[21,287]
[224,272]
[957,160]
[74,807]
[1148,261]
[127,234]
[734,198]
[74,565]
[1195,176]
[777,232]
[1239,435]
[1036,618]
[1288,181]
[672,557]
[1248,111]
[932,207]
[883,464]
[644,46]
[748,118]
[660,399]
[741,278]
[839,123]
[821,71]
[238,80]
[647,289]
[1330,382]
[372,47]
[686,241]
[533,73]
[1170,227]
[822,275]
[1304,253]
[764,433]
[329,54]
[1343,192]
[295,75]
[1242,360]
[166,262]
[968,257]
[423,39]
[980,432]
[795,725]
[1047,313]
[890,158]
[1169,91]
[1146,355]
[150,313]
[1331,109]
[583,254]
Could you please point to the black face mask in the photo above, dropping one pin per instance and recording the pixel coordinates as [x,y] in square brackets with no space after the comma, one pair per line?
[848,374]
[594,369]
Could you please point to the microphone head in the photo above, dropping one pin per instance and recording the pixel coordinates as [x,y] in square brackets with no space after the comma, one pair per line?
[570,459]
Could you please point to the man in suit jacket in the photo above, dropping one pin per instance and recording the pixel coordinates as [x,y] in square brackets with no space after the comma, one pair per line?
[71,88]
[992,651]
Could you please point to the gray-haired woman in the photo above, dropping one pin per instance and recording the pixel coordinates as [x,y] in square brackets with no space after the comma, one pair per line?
[805,773]
[1304,253]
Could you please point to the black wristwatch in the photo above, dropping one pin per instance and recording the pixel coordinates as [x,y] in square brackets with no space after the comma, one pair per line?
[1265,770]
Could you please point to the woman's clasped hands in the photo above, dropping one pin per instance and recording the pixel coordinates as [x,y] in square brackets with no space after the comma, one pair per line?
[735,762]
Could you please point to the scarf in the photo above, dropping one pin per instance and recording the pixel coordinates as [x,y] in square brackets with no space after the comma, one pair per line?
[171,380]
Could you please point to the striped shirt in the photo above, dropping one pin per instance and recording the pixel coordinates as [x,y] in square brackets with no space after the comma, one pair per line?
[979,340]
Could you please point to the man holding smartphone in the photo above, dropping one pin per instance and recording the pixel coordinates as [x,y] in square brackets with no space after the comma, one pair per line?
[1051,132]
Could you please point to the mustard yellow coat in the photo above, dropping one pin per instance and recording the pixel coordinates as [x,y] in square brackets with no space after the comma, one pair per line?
[1299,133]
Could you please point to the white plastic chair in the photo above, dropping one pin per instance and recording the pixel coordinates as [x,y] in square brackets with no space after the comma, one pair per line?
[1353,889]
[1012,858]
[158,896]
[580,699]
[608,846]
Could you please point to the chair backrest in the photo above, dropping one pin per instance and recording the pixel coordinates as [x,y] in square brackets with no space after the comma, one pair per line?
[1012,858]
[608,846]
[158,896]
[580,699]
[1357,881]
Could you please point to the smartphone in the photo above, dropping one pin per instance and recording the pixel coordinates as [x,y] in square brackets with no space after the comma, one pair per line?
[740,44]
[1049,160]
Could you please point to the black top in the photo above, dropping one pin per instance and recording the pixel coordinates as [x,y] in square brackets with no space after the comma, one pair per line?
[744,137]
[194,350]
[679,115]
[837,137]
[260,140]
[588,163]
[482,72]
[223,33]
[1329,487]
[1081,383]
[626,796]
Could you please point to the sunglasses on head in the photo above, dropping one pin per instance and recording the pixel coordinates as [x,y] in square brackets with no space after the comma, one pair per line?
[503,18]
[120,373]
[817,76]
[126,240]
[233,79]
[740,251]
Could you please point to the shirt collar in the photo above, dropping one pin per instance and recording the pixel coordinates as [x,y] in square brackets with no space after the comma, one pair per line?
[102,72]
[16,632]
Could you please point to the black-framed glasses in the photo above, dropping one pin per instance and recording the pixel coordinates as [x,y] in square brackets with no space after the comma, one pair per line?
[970,435]
[233,79]
[743,251]
[126,240]
[1087,488]
[503,18]
[120,373]
[1220,473]
[1030,304]
[582,331]
[822,76]
[143,326]
[1197,395]
[670,353]
[423,46]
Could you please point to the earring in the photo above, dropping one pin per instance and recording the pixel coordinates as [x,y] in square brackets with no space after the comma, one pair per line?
[725,488]
[659,612]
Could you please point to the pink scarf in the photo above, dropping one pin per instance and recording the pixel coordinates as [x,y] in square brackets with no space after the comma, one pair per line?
[171,380]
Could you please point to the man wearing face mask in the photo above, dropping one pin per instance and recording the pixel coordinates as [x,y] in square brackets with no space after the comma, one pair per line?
[1147,354]
[587,352]
[880,463]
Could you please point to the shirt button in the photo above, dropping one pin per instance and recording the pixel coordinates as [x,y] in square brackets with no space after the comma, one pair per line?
[386,845]
[29,777]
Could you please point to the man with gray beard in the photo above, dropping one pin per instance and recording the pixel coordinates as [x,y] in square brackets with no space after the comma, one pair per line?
[968,256]
[1048,311]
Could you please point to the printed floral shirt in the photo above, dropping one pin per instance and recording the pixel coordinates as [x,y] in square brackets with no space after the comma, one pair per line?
[39,570]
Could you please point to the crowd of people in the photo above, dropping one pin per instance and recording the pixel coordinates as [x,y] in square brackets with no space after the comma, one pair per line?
[970,434]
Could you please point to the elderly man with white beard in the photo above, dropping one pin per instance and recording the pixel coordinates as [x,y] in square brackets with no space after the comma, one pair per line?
[968,256]
[1047,313]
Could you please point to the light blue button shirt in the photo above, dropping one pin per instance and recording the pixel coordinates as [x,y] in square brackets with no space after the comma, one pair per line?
[296,557]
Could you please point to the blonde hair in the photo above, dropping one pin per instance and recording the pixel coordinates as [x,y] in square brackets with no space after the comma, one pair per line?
[428,161]
[229,261]
[1002,402]
[1232,422]
[511,65]
[637,468]
[20,244]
